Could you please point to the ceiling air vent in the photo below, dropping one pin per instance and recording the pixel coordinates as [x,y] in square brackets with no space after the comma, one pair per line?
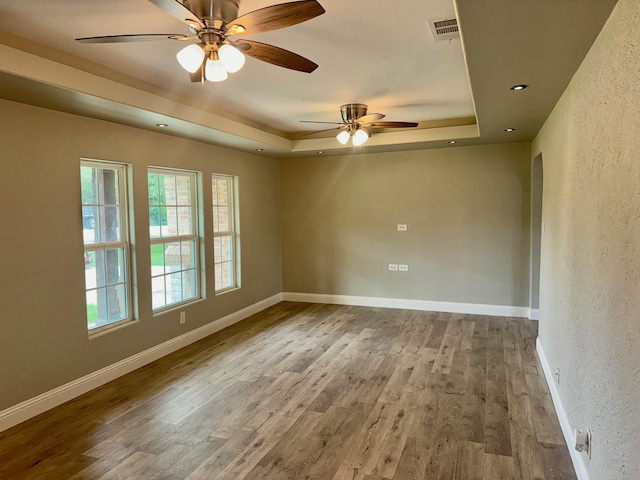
[444,29]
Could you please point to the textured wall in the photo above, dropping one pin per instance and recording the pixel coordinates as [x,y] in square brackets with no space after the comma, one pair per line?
[43,339]
[590,275]
[467,211]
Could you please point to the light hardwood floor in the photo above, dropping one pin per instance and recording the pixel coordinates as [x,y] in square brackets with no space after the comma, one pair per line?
[314,392]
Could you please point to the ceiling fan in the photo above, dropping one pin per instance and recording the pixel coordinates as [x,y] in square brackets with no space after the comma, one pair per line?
[356,124]
[212,22]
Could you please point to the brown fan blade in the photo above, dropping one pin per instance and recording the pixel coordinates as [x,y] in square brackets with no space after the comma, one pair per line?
[372,117]
[392,124]
[275,17]
[321,131]
[278,56]
[142,37]
[328,123]
[179,11]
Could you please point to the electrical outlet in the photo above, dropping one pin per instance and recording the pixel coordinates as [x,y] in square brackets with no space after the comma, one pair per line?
[403,268]
[393,267]
[402,227]
[557,375]
[183,318]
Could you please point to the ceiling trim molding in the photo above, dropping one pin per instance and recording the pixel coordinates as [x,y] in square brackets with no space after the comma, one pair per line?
[42,70]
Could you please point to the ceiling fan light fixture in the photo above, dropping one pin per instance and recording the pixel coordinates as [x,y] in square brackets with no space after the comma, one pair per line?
[214,71]
[343,137]
[232,58]
[190,57]
[359,137]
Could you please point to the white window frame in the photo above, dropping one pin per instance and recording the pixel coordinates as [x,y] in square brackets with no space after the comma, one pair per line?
[124,242]
[193,237]
[232,203]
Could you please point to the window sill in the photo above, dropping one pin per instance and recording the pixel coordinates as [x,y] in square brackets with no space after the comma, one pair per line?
[105,329]
[176,307]
[227,290]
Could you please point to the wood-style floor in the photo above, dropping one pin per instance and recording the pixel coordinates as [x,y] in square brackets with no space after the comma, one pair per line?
[313,392]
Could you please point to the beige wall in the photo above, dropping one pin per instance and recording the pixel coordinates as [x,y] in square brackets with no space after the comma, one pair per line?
[43,334]
[467,211]
[590,272]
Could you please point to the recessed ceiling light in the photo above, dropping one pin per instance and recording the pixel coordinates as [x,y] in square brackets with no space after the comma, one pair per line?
[509,129]
[161,125]
[453,141]
[320,151]
[259,149]
[519,87]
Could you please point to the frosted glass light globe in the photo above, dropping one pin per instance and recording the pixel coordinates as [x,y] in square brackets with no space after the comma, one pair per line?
[190,57]
[231,58]
[215,71]
[360,137]
[343,137]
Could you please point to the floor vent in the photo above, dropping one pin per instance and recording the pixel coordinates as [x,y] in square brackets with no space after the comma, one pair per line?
[444,29]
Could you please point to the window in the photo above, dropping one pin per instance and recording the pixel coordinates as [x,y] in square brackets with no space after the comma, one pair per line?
[173,228]
[224,232]
[106,243]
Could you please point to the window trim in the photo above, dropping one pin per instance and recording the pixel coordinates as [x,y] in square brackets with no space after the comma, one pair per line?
[194,236]
[232,202]
[125,242]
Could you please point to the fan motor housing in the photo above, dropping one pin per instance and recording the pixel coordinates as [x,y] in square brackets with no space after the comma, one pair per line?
[225,10]
[352,111]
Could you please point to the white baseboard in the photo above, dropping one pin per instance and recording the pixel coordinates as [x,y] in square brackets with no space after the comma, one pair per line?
[576,457]
[37,405]
[534,314]
[451,307]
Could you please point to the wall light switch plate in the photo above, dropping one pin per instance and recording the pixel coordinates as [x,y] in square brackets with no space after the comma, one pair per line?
[403,268]
[183,318]
[393,266]
[402,227]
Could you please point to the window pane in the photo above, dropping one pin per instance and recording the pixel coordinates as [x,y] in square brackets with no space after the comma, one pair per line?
[222,192]
[90,232]
[157,292]
[171,228]
[108,187]
[95,299]
[87,184]
[189,286]
[184,221]
[217,249]
[183,190]
[218,276]
[109,224]
[169,183]
[227,279]
[90,278]
[216,222]
[157,259]
[172,256]
[225,246]
[173,285]
[214,192]
[100,272]
[114,265]
[188,254]
[116,303]
[154,222]
[152,185]
[224,224]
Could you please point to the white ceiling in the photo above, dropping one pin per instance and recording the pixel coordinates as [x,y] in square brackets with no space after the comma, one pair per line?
[368,51]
